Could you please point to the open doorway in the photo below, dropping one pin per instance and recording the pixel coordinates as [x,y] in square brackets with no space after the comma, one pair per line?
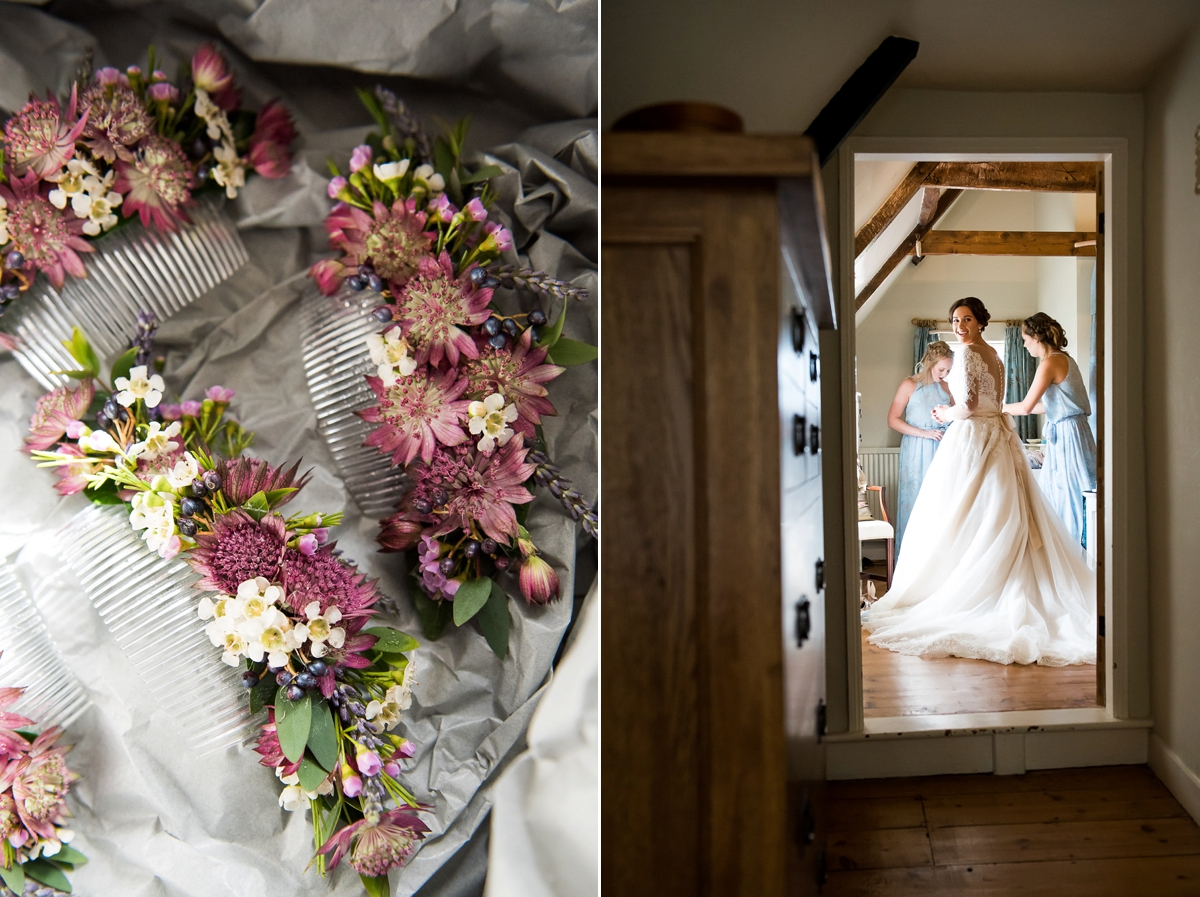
[1025,236]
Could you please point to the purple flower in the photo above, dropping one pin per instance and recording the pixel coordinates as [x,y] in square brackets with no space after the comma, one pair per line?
[441,209]
[360,158]
[55,414]
[377,845]
[335,186]
[41,136]
[274,132]
[500,235]
[190,408]
[109,76]
[433,308]
[156,183]
[210,72]
[538,581]
[163,92]
[407,749]
[321,534]
[170,412]
[308,545]
[352,785]
[220,394]
[237,549]
[49,239]
[475,210]
[368,762]
[392,768]
[157,75]
[416,414]
[117,120]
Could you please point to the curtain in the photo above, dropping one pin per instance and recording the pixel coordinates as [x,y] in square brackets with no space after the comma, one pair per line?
[1019,368]
[921,340]
[1092,361]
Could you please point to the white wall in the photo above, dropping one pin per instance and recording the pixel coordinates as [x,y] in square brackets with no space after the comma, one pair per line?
[1173,402]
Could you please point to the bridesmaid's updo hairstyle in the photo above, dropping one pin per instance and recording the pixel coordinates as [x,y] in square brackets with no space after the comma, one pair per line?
[937,350]
[977,309]
[1046,331]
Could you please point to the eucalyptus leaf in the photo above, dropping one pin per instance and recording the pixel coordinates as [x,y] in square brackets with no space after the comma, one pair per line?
[48,874]
[483,174]
[392,642]
[122,366]
[68,854]
[469,598]
[322,736]
[262,693]
[14,878]
[567,352]
[434,614]
[551,336]
[257,505]
[311,775]
[294,727]
[494,620]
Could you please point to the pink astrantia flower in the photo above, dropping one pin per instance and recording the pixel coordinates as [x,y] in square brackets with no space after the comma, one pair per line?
[156,183]
[210,72]
[219,394]
[269,748]
[434,306]
[246,477]
[116,121]
[73,477]
[239,548]
[400,532]
[55,412]
[49,239]
[538,581]
[418,412]
[11,744]
[376,848]
[326,578]
[40,780]
[274,132]
[518,375]
[41,137]
[394,240]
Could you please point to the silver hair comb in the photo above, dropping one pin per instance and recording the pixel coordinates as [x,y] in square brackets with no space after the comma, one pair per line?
[149,605]
[135,269]
[334,330]
[28,659]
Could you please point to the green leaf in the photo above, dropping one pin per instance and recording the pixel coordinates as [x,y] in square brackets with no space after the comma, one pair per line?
[551,336]
[257,505]
[74,375]
[275,496]
[48,874]
[322,737]
[469,598]
[262,693]
[106,494]
[373,105]
[311,775]
[391,641]
[571,351]
[293,719]
[124,364]
[483,174]
[493,620]
[434,614]
[14,878]
[68,854]
[81,350]
[376,886]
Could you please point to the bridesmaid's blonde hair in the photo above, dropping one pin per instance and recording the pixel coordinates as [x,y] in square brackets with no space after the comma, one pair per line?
[937,350]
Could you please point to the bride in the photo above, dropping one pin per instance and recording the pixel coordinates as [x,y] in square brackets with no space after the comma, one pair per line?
[988,570]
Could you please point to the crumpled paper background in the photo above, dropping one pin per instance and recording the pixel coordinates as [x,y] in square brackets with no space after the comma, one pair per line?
[154,819]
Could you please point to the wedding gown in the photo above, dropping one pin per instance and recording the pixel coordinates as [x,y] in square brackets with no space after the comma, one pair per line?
[988,570]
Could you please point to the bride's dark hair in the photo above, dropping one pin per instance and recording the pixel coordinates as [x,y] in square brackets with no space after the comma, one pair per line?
[977,309]
[1045,330]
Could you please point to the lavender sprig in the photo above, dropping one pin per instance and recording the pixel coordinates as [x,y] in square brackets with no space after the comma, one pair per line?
[515,278]
[143,337]
[547,474]
[405,122]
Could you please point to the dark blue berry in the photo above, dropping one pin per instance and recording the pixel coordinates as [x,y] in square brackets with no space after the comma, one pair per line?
[294,692]
[356,282]
[499,341]
[489,546]
[318,668]
[306,680]
[202,173]
[284,677]
[102,421]
[9,292]
[421,506]
[491,326]
[199,147]
[375,282]
[383,314]
[188,527]
[198,488]
[478,276]
[533,334]
[111,409]
[510,327]
[537,317]
[14,260]
[439,497]
[471,548]
[446,565]
[491,283]
[212,480]
[249,678]
[190,507]
[502,562]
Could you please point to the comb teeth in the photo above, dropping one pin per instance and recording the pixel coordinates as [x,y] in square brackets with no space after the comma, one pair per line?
[53,696]
[334,330]
[149,605]
[132,270]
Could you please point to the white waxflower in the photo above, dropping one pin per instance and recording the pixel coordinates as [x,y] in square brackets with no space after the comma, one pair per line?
[186,469]
[435,182]
[391,352]
[98,441]
[270,635]
[256,597]
[4,236]
[140,386]
[490,421]
[390,171]
[402,693]
[320,630]
[214,116]
[71,184]
[156,515]
[387,712]
[230,170]
[157,442]
[294,797]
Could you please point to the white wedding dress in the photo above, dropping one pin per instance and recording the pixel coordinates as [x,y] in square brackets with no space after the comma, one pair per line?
[988,569]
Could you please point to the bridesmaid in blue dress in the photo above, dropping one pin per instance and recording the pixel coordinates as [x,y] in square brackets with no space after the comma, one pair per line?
[911,415]
[1060,392]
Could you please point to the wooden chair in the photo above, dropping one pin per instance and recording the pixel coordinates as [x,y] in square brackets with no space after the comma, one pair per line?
[874,530]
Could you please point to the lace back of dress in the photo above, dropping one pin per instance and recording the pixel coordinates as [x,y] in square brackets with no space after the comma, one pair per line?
[973,378]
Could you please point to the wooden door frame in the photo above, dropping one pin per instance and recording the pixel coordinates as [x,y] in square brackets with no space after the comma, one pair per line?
[1125,667]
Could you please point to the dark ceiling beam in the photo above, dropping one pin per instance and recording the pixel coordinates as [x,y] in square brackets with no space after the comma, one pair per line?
[859,94]
[1060,177]
[905,248]
[893,205]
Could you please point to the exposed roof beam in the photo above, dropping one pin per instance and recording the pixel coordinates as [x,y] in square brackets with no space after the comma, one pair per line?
[929,202]
[999,242]
[893,205]
[905,248]
[1062,177]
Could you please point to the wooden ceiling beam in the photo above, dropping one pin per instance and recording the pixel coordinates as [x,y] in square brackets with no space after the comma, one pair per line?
[1059,177]
[1028,243]
[929,203]
[893,205]
[905,248]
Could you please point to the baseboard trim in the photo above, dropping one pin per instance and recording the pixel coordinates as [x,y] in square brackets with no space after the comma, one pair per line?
[1180,780]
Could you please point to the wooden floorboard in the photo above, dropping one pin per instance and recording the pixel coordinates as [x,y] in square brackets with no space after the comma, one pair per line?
[1099,832]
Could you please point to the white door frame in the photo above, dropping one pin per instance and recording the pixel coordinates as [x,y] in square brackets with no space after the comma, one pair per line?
[1126,659]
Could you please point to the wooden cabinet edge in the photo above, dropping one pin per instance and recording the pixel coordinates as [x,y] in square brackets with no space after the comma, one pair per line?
[669,154]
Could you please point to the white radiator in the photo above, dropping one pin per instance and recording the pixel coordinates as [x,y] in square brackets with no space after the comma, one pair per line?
[882,468]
